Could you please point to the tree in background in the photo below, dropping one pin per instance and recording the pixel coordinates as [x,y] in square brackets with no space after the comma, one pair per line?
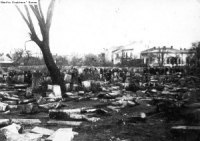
[43,44]
[25,57]
[195,54]
[103,62]
[75,61]
[91,60]
[61,61]
[17,56]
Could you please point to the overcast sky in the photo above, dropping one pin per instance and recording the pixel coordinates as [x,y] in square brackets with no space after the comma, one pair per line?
[83,26]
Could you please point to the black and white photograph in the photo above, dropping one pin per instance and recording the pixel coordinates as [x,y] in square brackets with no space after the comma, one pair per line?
[99,70]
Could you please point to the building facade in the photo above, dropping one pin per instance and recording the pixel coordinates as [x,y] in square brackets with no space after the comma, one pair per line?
[165,56]
[121,54]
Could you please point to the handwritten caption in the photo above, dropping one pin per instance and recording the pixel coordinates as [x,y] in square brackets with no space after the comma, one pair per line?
[18,1]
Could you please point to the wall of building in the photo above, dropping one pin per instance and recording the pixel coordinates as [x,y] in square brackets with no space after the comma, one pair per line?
[153,57]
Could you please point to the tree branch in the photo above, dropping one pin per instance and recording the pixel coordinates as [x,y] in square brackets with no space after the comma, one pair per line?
[28,24]
[33,34]
[39,18]
[40,9]
[30,20]
[50,14]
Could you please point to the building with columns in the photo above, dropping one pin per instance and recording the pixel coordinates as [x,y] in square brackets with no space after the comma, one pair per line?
[165,56]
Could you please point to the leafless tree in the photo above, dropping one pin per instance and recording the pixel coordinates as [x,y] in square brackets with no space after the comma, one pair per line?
[17,56]
[44,25]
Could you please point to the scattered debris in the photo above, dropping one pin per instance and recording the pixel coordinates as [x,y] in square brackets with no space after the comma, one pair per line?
[62,134]
[161,97]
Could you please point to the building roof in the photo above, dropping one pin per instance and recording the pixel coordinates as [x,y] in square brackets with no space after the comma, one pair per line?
[122,48]
[165,50]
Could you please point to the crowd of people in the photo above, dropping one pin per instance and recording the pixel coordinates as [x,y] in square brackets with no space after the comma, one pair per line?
[76,75]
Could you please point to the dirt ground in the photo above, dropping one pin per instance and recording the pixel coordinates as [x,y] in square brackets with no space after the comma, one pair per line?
[115,126]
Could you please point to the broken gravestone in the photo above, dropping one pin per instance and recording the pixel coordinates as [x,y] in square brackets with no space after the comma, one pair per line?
[62,134]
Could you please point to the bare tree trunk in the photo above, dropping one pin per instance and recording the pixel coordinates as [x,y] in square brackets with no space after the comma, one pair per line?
[54,71]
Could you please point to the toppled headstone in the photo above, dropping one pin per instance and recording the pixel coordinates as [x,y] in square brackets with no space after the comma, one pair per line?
[10,102]
[96,111]
[183,127]
[24,137]
[77,117]
[41,100]
[6,112]
[137,117]
[3,107]
[115,87]
[63,113]
[31,137]
[92,119]
[130,103]
[12,92]
[154,91]
[7,96]
[62,134]
[81,92]
[144,101]
[105,96]
[12,107]
[126,98]
[11,130]
[52,105]
[29,108]
[71,95]
[43,131]
[140,93]
[25,101]
[27,121]
[114,108]
[4,94]
[20,86]
[61,122]
[115,93]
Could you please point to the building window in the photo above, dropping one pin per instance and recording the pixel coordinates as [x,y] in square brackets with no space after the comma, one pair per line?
[168,60]
[123,54]
[117,55]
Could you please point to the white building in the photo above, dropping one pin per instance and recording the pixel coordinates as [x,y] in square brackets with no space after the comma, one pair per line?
[127,52]
[121,53]
[165,56]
